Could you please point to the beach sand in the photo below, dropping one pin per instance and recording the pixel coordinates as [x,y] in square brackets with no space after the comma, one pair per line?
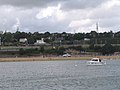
[18,59]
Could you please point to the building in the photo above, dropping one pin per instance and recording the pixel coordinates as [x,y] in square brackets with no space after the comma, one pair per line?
[1,32]
[86,39]
[23,40]
[0,41]
[40,42]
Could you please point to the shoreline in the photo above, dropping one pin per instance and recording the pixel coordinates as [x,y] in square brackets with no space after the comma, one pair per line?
[21,59]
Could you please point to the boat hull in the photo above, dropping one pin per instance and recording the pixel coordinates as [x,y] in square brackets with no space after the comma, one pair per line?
[95,63]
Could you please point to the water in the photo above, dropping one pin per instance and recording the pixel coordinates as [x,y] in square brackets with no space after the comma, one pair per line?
[59,75]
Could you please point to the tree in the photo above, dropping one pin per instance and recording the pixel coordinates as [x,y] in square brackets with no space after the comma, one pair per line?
[17,35]
[107,49]
[78,36]
[46,34]
[42,50]
[7,37]
[60,51]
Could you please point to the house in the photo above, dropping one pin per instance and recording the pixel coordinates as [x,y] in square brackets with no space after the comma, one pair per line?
[23,40]
[86,39]
[1,32]
[40,42]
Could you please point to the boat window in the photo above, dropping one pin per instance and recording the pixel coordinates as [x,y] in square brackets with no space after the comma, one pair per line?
[95,60]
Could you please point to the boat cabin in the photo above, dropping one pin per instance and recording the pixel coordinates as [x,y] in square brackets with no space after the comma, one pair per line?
[96,59]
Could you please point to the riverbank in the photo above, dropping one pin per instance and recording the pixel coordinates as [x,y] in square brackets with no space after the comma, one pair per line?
[18,59]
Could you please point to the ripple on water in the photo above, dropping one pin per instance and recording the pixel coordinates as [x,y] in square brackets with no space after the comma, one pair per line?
[63,75]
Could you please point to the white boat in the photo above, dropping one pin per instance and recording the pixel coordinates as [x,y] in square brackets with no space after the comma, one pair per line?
[96,61]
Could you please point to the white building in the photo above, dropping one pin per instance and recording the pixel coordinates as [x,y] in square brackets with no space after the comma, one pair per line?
[1,32]
[23,40]
[0,41]
[86,39]
[40,42]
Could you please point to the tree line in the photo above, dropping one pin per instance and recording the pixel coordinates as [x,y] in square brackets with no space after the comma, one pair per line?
[105,43]
[62,38]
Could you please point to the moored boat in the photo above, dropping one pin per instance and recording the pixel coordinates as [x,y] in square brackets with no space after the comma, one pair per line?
[96,61]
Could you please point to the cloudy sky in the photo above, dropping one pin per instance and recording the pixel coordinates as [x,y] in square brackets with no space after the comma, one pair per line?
[59,15]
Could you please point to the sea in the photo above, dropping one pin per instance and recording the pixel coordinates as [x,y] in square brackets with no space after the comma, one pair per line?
[59,75]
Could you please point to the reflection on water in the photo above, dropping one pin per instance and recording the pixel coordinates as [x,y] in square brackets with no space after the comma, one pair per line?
[59,75]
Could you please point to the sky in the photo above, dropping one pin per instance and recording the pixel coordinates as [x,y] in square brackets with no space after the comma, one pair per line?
[71,16]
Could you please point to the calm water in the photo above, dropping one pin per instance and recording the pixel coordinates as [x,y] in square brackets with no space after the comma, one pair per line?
[59,75]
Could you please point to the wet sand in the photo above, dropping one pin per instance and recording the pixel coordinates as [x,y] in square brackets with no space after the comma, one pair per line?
[18,59]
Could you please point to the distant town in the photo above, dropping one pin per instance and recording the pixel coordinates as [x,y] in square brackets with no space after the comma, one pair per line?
[55,44]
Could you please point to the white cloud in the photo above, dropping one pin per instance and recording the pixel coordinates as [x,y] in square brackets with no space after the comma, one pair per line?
[111,3]
[79,23]
[51,12]
[45,13]
[59,15]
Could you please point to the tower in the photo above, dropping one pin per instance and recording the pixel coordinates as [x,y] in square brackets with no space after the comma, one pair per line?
[17,28]
[97,27]
[17,24]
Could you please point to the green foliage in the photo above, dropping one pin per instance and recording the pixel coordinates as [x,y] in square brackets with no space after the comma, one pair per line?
[51,51]
[42,50]
[31,40]
[78,36]
[78,48]
[66,38]
[28,51]
[65,41]
[94,48]
[107,49]
[21,51]
[61,51]
[47,34]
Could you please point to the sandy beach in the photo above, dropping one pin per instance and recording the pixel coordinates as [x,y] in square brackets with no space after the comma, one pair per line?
[18,59]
